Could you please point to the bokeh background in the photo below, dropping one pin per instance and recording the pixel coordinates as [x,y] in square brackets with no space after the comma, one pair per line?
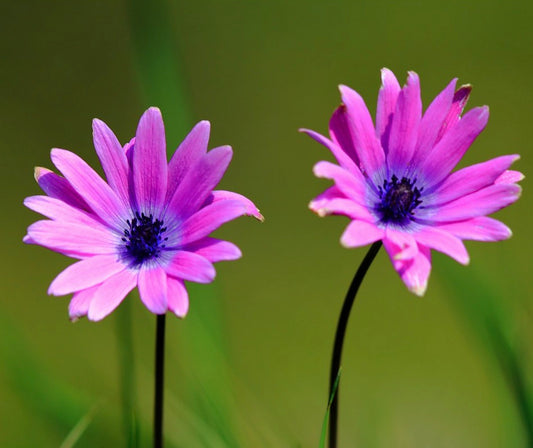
[248,367]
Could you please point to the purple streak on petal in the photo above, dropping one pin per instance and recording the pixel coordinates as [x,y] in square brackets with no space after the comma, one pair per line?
[453,145]
[58,187]
[470,179]
[177,297]
[222,195]
[85,273]
[414,272]
[81,300]
[341,206]
[214,249]
[208,219]
[404,127]
[111,293]
[187,155]
[509,177]
[191,266]
[352,184]
[483,202]
[198,183]
[339,130]
[482,228]
[153,288]
[432,121]
[367,145]
[400,245]
[387,97]
[338,152]
[99,195]
[150,162]
[438,239]
[361,233]
[112,158]
[66,237]
[460,99]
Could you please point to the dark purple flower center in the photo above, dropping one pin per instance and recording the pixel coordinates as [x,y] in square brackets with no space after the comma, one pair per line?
[399,198]
[144,238]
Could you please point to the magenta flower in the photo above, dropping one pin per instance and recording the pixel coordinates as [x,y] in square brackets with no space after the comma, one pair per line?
[147,226]
[395,182]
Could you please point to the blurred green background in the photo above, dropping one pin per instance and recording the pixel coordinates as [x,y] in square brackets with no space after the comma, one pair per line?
[248,367]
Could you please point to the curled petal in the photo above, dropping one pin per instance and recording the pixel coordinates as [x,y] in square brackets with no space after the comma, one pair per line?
[177,297]
[415,271]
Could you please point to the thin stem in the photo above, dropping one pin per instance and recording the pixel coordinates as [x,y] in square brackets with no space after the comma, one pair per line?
[159,379]
[339,338]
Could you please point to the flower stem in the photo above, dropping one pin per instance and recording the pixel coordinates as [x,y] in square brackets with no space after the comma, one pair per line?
[339,338]
[159,379]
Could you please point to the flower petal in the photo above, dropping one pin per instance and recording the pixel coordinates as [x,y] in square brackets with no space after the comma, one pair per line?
[481,228]
[222,195]
[414,272]
[509,177]
[387,97]
[352,184]
[81,300]
[404,127]
[438,239]
[199,182]
[58,187]
[150,162]
[85,273]
[214,249]
[400,245]
[187,155]
[91,187]
[367,145]
[460,98]
[177,296]
[341,206]
[339,152]
[191,266]
[361,233]
[153,288]
[110,294]
[339,130]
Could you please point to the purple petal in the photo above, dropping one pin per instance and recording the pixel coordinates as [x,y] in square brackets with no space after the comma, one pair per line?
[339,152]
[453,145]
[341,206]
[99,195]
[215,250]
[191,266]
[75,239]
[404,127]
[153,288]
[387,97]
[438,239]
[177,296]
[352,184]
[199,182]
[367,145]
[112,158]
[149,160]
[414,272]
[400,245]
[509,177]
[85,273]
[187,155]
[460,98]
[471,179]
[361,233]
[482,228]
[339,130]
[222,195]
[58,187]
[110,294]
[81,300]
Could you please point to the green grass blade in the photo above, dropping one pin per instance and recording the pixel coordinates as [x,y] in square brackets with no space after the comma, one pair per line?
[324,431]
[79,429]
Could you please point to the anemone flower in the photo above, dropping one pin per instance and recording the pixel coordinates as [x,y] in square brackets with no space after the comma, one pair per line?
[146,227]
[395,182]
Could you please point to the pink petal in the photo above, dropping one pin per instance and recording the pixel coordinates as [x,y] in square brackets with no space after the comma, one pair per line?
[339,152]
[352,184]
[193,147]
[58,187]
[110,294]
[81,300]
[509,177]
[341,206]
[453,145]
[361,233]
[85,273]
[414,272]
[339,130]
[153,288]
[177,296]
[460,98]
[99,195]
[112,158]
[400,245]
[222,195]
[367,145]
[215,250]
[69,238]
[387,97]
[404,127]
[481,228]
[149,160]
[191,266]
[199,181]
[438,239]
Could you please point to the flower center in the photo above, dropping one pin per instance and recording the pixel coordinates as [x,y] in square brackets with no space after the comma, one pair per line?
[399,198]
[144,238]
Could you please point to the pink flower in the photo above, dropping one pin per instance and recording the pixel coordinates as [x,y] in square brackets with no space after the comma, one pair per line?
[146,227]
[395,182]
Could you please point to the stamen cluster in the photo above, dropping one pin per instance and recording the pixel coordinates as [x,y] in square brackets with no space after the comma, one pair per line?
[144,237]
[399,198]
